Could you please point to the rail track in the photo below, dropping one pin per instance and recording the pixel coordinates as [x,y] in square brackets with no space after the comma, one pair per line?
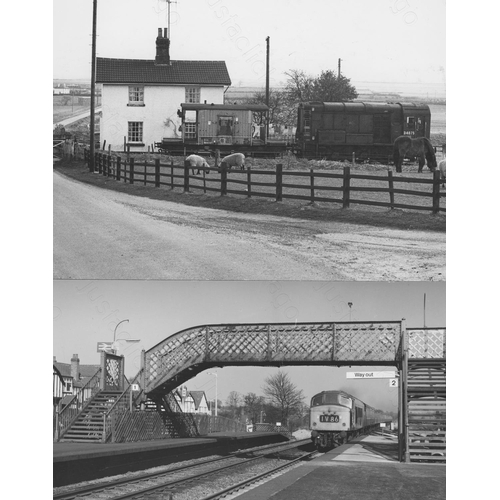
[221,474]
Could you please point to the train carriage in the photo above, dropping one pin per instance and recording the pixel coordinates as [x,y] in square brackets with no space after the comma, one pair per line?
[332,130]
[335,416]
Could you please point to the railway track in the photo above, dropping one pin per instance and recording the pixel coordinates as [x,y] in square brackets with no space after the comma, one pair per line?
[222,475]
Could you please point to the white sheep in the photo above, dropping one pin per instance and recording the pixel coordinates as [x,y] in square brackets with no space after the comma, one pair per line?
[233,160]
[197,161]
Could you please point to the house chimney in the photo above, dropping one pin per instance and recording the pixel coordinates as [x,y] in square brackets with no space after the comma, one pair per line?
[54,359]
[75,367]
[162,48]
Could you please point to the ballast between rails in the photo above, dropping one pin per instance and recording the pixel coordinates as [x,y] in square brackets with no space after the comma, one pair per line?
[267,450]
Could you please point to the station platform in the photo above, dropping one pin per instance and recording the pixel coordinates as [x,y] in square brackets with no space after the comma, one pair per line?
[366,468]
[76,462]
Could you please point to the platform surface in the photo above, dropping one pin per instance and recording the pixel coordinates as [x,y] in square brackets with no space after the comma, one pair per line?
[364,469]
[65,450]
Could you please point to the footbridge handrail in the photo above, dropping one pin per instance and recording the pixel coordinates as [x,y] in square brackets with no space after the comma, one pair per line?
[188,352]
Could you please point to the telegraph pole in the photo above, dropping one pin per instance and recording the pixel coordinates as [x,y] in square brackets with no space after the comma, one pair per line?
[92,91]
[339,67]
[267,86]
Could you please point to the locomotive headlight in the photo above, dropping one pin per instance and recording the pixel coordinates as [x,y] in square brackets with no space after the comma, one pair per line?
[315,424]
[343,423]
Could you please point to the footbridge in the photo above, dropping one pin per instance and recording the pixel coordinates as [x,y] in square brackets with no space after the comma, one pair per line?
[189,352]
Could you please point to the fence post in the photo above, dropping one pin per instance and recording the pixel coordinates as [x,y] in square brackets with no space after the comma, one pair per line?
[311,177]
[104,164]
[249,181]
[171,174]
[436,190]
[186,176]
[346,187]
[131,170]
[223,179]
[391,187]
[96,162]
[279,182]
[157,172]
[118,167]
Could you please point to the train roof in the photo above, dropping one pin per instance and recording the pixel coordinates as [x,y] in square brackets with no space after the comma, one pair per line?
[345,395]
[366,107]
[225,107]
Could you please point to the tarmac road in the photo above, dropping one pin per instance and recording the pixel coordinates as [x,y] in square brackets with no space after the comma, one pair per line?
[104,234]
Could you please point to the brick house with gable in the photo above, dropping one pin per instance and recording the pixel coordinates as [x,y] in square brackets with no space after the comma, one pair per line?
[140,98]
[69,377]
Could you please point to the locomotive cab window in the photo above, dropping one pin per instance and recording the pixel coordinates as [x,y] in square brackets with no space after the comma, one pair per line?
[410,122]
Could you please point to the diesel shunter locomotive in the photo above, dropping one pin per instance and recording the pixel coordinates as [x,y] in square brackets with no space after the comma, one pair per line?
[335,416]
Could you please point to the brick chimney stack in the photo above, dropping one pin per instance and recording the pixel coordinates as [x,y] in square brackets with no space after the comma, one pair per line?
[162,48]
[75,367]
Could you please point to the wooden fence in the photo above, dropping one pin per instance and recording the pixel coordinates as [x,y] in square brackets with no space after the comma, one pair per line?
[345,188]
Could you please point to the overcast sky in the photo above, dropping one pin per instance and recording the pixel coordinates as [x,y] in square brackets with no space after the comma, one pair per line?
[400,41]
[87,312]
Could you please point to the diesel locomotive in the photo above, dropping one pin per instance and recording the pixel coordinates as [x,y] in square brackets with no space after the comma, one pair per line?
[336,416]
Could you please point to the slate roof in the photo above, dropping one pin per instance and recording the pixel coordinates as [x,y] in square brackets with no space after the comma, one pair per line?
[197,397]
[86,371]
[145,71]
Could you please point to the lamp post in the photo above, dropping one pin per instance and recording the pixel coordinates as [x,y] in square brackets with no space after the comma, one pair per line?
[350,308]
[214,373]
[115,340]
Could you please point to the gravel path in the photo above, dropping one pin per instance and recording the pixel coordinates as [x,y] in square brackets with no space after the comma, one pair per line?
[105,234]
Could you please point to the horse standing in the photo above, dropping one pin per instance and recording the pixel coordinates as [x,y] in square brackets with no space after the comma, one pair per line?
[442,170]
[420,147]
[197,161]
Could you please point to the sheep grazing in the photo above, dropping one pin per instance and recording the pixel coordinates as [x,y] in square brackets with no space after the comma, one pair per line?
[442,170]
[197,161]
[233,160]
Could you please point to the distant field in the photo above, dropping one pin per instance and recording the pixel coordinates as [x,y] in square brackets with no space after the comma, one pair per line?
[61,112]
[438,118]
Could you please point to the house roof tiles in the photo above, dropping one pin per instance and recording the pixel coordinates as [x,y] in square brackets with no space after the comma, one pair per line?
[145,71]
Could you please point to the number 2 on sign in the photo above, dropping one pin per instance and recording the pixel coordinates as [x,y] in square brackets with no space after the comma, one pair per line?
[393,382]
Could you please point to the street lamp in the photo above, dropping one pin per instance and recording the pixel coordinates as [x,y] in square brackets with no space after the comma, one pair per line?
[350,307]
[214,373]
[115,340]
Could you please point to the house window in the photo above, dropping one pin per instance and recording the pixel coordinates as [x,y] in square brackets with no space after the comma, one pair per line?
[193,95]
[134,131]
[190,131]
[136,95]
[68,386]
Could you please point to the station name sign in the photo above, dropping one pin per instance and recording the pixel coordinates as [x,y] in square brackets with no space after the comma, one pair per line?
[371,375]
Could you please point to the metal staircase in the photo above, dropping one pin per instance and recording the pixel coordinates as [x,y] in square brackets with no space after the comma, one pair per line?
[89,425]
[426,410]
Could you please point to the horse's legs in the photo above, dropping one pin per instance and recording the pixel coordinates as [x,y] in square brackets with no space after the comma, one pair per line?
[421,163]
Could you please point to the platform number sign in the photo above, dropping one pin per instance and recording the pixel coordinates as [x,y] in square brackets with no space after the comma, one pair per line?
[393,382]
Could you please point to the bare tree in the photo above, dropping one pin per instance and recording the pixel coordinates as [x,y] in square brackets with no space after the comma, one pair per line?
[233,403]
[253,406]
[283,394]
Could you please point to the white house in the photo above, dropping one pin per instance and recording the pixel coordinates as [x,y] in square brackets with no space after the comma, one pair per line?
[141,98]
[192,401]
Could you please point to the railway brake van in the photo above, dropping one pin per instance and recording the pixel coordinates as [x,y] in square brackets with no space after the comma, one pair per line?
[335,416]
[337,130]
[223,125]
